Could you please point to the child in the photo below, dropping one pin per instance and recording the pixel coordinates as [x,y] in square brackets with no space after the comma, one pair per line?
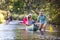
[9,17]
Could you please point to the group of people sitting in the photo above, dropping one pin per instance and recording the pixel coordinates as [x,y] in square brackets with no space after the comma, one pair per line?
[38,24]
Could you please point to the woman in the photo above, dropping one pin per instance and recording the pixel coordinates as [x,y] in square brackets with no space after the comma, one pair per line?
[42,20]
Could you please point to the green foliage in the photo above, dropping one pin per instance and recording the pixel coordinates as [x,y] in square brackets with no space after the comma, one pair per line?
[18,16]
[54,11]
[34,17]
[51,7]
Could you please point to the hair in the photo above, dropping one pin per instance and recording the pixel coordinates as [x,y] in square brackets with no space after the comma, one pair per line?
[29,17]
[41,9]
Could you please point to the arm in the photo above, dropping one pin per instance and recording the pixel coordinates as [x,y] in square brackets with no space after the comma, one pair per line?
[38,18]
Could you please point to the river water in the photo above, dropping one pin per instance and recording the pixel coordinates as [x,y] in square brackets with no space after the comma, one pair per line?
[16,31]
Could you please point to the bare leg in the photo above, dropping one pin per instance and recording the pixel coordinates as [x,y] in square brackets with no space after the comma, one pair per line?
[40,26]
[44,27]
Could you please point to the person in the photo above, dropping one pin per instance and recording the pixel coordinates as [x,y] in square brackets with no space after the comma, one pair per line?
[30,23]
[35,28]
[9,17]
[42,20]
[30,20]
[25,20]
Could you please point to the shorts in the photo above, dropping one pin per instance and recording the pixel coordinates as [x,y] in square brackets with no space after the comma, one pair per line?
[43,22]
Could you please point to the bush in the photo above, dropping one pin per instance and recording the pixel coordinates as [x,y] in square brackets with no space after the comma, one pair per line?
[14,16]
[56,20]
[2,20]
[18,17]
[34,17]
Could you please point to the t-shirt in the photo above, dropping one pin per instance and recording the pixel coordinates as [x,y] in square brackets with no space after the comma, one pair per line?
[42,19]
[30,22]
[9,18]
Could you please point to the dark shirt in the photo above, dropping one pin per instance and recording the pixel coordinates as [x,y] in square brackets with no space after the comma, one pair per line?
[9,18]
